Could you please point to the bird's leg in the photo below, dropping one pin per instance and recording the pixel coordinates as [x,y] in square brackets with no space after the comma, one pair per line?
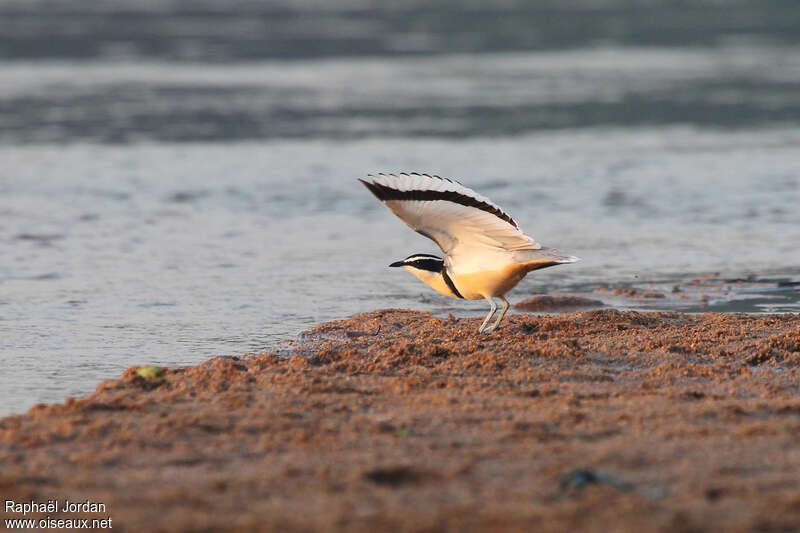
[502,314]
[491,312]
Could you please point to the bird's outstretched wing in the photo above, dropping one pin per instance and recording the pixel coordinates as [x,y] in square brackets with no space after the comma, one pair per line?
[448,213]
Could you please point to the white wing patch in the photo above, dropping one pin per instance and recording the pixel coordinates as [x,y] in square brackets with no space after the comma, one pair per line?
[453,216]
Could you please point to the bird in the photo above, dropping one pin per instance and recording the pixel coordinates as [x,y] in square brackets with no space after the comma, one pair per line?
[485,253]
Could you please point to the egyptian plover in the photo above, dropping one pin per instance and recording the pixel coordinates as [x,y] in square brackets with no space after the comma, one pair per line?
[485,252]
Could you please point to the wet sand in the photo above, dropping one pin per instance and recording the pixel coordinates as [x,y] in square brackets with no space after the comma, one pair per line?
[397,420]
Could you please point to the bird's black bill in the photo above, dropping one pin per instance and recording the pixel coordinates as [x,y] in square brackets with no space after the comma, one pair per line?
[397,264]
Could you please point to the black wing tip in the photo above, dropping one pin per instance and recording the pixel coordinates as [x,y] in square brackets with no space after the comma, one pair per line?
[374,188]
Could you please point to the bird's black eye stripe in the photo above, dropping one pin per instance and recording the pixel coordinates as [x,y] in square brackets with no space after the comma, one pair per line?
[432,265]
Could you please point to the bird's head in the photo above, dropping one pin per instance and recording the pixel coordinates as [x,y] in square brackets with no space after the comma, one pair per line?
[429,269]
[420,262]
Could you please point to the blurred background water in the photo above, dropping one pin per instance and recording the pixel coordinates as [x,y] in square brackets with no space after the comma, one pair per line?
[178,178]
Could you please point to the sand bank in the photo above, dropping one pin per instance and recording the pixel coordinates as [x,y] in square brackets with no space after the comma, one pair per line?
[592,421]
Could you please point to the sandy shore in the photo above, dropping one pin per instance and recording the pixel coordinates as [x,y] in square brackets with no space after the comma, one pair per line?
[396,420]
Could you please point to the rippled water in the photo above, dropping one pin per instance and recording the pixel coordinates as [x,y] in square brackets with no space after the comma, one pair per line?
[183,184]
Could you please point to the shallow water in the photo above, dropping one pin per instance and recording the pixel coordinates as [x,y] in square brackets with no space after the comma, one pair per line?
[169,254]
[158,209]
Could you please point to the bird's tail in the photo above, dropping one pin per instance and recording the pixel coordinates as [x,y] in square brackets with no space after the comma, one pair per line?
[546,257]
[568,259]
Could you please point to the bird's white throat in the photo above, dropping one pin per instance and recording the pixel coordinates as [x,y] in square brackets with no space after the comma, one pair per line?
[435,280]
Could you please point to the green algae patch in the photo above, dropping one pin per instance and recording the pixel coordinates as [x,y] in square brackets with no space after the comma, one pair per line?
[150,372]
